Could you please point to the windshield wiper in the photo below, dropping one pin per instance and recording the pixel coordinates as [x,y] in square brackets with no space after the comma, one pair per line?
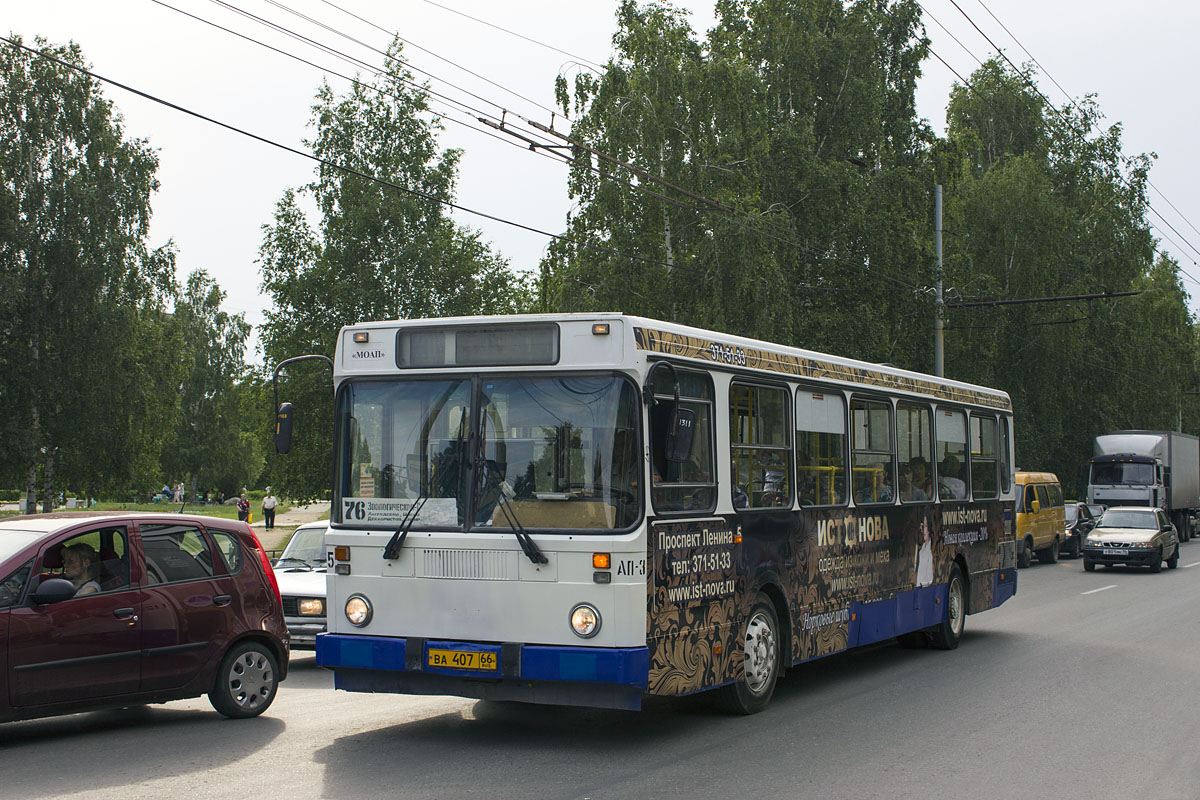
[392,551]
[290,559]
[528,545]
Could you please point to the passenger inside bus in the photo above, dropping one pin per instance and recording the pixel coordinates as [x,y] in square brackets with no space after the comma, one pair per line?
[950,485]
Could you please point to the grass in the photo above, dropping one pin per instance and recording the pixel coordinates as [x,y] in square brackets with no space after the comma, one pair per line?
[223,512]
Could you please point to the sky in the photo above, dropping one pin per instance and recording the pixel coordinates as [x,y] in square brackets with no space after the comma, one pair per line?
[218,188]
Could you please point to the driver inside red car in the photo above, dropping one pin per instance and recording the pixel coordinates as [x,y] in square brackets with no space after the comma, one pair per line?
[81,566]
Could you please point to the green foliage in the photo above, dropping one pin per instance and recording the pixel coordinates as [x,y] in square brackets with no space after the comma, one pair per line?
[81,295]
[213,442]
[1037,208]
[379,252]
[796,116]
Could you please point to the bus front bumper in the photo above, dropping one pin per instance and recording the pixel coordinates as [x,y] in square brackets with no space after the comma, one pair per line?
[593,676]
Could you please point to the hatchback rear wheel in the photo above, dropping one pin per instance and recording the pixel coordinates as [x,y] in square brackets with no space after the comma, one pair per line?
[246,682]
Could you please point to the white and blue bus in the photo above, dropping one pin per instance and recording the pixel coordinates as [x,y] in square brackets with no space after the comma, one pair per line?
[588,508]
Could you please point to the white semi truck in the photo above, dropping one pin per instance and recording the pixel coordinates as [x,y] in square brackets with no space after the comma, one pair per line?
[1148,468]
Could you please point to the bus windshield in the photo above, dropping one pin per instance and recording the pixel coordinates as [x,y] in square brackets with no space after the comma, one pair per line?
[1122,473]
[538,452]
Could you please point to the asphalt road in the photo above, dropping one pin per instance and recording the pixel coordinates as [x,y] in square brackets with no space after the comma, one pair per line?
[1082,686]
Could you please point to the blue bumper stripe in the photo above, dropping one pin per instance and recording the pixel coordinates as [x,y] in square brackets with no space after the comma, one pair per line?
[624,666]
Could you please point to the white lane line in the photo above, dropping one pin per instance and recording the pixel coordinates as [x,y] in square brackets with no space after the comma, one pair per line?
[1101,589]
[1196,564]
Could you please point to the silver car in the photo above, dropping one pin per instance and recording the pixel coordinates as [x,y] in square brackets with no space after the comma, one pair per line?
[301,575]
[1132,535]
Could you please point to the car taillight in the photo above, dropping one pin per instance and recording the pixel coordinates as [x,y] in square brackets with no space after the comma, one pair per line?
[266,565]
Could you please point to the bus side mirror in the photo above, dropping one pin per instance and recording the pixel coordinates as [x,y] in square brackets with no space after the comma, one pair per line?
[1037,506]
[679,438]
[283,428]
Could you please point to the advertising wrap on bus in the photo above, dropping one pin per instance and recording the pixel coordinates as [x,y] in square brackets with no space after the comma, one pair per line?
[585,509]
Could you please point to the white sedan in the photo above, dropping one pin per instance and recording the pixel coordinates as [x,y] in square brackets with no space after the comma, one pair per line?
[301,575]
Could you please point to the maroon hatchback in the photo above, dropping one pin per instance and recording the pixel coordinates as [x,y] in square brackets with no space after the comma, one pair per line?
[104,609]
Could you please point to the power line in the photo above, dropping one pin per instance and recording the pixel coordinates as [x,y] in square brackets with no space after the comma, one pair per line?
[641,173]
[334,165]
[326,70]
[966,83]
[1057,112]
[1071,99]
[413,44]
[1033,300]
[580,59]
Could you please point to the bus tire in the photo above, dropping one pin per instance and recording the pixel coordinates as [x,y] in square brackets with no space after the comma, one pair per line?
[760,664]
[947,634]
[1050,554]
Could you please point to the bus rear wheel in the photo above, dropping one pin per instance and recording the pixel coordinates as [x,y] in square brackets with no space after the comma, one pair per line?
[945,636]
[760,664]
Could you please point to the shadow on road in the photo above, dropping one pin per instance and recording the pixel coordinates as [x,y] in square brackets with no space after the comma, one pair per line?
[161,741]
[553,748]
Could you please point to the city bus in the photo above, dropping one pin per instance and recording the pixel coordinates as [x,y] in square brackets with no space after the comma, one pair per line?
[586,509]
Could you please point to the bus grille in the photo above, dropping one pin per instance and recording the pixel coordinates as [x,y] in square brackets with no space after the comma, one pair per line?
[483,565]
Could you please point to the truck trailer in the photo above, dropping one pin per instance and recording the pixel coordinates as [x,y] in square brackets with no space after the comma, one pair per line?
[1148,468]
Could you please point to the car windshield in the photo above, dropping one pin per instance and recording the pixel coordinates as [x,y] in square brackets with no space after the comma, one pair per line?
[1122,473]
[1118,518]
[12,542]
[306,544]
[545,452]
[1072,513]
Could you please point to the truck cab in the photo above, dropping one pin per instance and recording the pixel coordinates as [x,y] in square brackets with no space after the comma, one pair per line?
[1155,469]
[1126,479]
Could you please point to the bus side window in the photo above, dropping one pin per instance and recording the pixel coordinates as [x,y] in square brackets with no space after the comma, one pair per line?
[689,485]
[760,446]
[871,451]
[820,448]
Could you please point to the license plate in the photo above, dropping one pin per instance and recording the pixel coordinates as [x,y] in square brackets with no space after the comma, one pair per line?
[1112,551]
[463,659]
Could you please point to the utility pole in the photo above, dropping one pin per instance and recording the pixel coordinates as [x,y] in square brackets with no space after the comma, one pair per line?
[939,367]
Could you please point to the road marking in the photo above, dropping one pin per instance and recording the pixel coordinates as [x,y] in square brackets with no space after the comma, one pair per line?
[1101,589]
[1196,564]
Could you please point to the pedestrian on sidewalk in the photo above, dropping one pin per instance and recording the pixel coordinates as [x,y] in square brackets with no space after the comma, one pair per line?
[268,508]
[243,506]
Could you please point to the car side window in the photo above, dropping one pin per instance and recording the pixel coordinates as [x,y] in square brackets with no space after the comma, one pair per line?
[1043,496]
[230,549]
[176,553]
[95,561]
[13,585]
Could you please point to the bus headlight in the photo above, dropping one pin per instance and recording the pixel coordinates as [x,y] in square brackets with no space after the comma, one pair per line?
[358,610]
[585,620]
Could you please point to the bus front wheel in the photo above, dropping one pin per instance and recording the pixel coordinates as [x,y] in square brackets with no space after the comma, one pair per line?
[946,635]
[760,664]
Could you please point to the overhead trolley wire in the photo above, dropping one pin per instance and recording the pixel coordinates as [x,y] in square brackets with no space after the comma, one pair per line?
[438,114]
[1071,99]
[333,164]
[966,83]
[1060,115]
[413,44]
[580,59]
[645,175]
